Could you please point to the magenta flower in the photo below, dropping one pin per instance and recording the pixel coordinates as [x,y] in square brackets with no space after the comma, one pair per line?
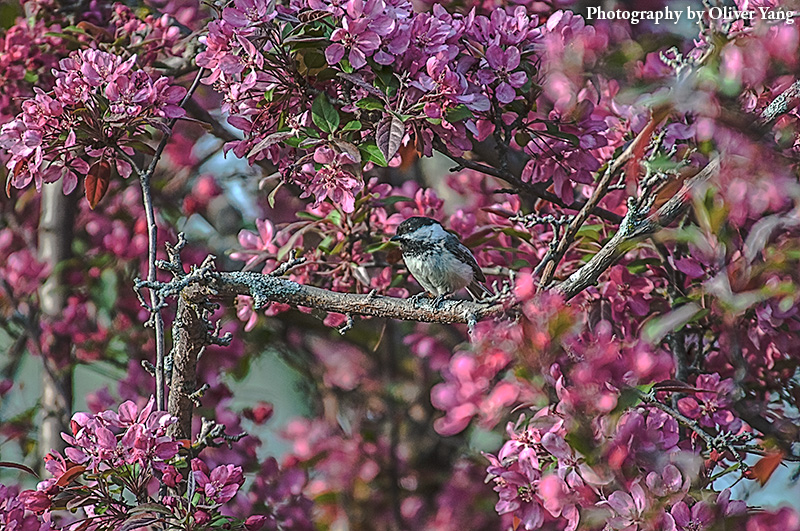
[332,180]
[35,501]
[356,37]
[171,477]
[249,12]
[500,66]
[143,442]
[628,509]
[98,105]
[712,405]
[257,248]
[670,482]
[221,484]
[468,391]
[518,473]
[698,518]
[13,512]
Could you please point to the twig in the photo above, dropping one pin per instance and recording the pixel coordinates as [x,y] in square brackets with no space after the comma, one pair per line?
[535,189]
[210,431]
[554,256]
[735,444]
[152,242]
[635,226]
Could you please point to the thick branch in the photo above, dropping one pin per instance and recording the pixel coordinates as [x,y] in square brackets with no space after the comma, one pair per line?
[634,227]
[265,289]
[782,104]
[189,337]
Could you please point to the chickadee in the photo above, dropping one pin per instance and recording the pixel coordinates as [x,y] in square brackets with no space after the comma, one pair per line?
[438,260]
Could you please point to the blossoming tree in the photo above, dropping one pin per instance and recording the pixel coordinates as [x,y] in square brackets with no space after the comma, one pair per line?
[631,192]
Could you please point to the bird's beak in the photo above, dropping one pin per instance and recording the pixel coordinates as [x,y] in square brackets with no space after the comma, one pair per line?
[395,238]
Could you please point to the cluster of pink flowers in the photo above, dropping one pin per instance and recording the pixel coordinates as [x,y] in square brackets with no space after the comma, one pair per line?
[144,440]
[518,473]
[99,95]
[131,445]
[23,51]
[460,75]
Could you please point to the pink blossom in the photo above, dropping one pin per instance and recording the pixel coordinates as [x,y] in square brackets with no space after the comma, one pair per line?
[219,485]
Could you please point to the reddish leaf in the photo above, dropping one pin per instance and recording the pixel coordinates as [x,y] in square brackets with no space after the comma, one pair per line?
[268,141]
[6,464]
[497,210]
[642,141]
[20,166]
[70,474]
[93,30]
[388,135]
[96,182]
[675,386]
[408,155]
[765,466]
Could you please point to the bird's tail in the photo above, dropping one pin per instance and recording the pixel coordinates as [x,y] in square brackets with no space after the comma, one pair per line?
[478,291]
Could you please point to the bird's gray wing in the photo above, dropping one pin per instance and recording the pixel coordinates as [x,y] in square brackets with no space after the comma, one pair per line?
[463,253]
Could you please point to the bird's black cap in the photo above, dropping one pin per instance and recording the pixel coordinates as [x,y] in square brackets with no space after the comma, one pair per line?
[411,224]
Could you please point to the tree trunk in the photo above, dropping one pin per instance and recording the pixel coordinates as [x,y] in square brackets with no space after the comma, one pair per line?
[55,246]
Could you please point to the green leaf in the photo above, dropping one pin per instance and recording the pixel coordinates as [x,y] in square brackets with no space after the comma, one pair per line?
[391,200]
[458,113]
[590,232]
[106,295]
[379,246]
[271,196]
[294,141]
[370,104]
[325,245]
[307,215]
[324,115]
[354,125]
[371,153]
[655,329]
[627,399]
[141,147]
[641,265]
[335,217]
[314,60]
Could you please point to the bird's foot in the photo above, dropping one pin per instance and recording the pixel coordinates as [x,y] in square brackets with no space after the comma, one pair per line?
[418,297]
[437,302]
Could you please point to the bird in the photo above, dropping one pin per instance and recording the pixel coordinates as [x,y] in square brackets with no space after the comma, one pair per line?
[438,260]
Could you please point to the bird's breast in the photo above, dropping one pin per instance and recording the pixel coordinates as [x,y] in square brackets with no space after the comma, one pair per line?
[438,271]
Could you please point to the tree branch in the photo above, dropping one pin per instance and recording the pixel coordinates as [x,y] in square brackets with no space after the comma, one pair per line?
[782,104]
[205,283]
[634,226]
[553,256]
[266,289]
[152,242]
